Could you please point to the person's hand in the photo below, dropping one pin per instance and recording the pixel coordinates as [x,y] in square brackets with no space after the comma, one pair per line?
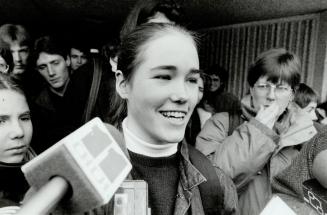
[268,115]
[9,210]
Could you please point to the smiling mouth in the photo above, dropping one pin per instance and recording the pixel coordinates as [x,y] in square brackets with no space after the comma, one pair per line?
[179,115]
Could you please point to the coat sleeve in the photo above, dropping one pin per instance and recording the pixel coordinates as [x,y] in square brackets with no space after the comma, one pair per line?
[230,194]
[242,154]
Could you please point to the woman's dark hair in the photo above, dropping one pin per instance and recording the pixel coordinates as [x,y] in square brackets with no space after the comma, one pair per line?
[304,95]
[5,53]
[110,50]
[130,56]
[145,9]
[279,65]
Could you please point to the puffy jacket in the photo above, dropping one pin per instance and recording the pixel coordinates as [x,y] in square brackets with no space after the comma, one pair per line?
[254,153]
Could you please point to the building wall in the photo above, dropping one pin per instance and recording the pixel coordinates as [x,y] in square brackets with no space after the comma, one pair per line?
[235,47]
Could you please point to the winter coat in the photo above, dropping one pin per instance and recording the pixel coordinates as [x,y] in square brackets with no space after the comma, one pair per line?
[254,153]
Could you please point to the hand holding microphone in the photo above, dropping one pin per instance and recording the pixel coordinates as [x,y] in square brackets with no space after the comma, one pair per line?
[85,169]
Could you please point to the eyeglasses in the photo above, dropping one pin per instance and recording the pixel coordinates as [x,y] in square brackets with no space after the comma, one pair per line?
[278,89]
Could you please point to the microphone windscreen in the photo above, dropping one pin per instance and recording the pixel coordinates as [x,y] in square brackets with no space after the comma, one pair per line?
[89,159]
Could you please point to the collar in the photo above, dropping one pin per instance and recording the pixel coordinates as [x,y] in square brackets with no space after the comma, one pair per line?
[190,175]
[139,146]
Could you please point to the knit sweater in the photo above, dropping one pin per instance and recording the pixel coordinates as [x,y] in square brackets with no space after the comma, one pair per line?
[290,180]
[162,176]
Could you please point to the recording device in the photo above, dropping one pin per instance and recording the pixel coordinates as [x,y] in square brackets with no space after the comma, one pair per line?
[315,195]
[85,169]
[132,198]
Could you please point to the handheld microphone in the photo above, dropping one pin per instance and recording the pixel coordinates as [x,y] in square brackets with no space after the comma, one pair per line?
[88,165]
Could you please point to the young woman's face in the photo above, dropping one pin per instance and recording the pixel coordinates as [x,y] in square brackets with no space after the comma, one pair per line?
[163,90]
[265,93]
[15,126]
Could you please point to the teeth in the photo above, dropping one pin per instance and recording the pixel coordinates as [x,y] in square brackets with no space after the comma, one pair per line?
[174,114]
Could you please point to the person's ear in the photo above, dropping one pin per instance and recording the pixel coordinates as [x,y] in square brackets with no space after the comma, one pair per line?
[68,61]
[121,84]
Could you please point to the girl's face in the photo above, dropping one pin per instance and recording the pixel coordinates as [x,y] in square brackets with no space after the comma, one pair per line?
[163,89]
[15,126]
[264,93]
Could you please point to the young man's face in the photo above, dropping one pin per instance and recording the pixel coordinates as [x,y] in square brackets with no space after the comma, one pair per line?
[54,69]
[20,54]
[78,58]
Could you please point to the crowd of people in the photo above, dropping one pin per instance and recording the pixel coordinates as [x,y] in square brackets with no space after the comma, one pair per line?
[150,87]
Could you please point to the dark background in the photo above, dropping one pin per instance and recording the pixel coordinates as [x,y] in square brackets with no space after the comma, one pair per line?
[98,21]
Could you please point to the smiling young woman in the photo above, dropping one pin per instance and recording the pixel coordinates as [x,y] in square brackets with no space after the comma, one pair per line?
[157,80]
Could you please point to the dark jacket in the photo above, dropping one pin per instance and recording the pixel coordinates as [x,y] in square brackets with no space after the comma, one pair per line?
[188,195]
[13,185]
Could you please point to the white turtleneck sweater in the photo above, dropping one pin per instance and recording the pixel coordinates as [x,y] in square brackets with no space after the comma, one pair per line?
[135,144]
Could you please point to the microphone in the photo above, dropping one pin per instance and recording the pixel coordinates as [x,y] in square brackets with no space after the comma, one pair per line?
[80,172]
[315,195]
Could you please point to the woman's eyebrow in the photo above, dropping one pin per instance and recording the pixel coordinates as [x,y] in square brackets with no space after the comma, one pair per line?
[4,117]
[164,67]
[174,68]
[196,71]
[25,113]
